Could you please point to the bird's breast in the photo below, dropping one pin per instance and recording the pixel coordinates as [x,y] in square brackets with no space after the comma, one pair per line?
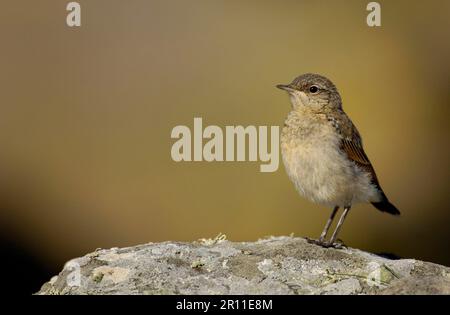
[318,168]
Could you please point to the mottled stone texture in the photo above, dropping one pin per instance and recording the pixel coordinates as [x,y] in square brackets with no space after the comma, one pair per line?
[276,265]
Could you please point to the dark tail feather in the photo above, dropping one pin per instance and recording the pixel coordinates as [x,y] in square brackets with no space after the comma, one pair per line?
[385,206]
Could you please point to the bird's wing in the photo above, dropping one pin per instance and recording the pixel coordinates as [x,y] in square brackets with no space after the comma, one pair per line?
[351,145]
[355,153]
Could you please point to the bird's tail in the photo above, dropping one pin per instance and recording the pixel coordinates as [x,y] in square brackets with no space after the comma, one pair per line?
[385,206]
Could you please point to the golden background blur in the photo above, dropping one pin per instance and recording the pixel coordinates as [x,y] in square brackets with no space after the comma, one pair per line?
[86,116]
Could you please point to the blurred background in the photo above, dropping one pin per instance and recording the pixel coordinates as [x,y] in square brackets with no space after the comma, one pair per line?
[86,115]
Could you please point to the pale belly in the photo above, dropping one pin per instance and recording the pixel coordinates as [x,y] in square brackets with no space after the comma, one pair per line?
[322,174]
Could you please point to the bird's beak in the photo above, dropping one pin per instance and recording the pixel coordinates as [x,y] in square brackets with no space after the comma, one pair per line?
[285,87]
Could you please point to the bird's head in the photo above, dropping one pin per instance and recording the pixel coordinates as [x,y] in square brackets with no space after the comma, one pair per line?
[313,91]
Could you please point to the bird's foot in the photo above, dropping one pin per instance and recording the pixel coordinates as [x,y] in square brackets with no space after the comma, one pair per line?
[320,241]
[337,245]
[323,243]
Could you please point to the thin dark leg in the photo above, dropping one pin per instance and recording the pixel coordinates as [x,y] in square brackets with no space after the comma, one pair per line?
[321,241]
[339,225]
[327,226]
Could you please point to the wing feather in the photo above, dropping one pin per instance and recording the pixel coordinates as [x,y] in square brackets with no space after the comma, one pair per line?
[355,153]
[351,145]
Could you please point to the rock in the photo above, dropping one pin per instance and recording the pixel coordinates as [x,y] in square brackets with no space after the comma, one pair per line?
[276,265]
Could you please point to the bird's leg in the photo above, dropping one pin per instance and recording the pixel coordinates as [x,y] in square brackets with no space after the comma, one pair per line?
[338,227]
[321,240]
[327,226]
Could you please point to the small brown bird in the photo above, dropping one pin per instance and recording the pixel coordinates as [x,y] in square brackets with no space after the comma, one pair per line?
[323,153]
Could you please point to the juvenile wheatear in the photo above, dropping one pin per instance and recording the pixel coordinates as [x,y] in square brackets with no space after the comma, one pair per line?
[323,153]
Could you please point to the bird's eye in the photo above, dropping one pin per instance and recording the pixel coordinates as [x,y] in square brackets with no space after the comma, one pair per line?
[313,89]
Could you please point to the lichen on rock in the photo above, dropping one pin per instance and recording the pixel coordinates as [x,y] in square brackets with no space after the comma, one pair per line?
[275,265]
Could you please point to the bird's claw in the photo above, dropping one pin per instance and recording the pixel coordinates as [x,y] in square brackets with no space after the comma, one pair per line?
[326,244]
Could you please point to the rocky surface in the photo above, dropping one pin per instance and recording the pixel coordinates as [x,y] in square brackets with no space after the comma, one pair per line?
[276,265]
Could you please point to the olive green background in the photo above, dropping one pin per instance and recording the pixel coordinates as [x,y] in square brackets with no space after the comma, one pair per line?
[86,115]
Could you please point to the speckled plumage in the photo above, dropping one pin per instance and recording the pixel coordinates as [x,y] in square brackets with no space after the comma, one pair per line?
[322,149]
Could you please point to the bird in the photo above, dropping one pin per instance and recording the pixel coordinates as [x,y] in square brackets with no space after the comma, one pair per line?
[322,152]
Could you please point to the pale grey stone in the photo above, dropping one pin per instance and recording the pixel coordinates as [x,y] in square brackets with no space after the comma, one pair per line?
[275,265]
